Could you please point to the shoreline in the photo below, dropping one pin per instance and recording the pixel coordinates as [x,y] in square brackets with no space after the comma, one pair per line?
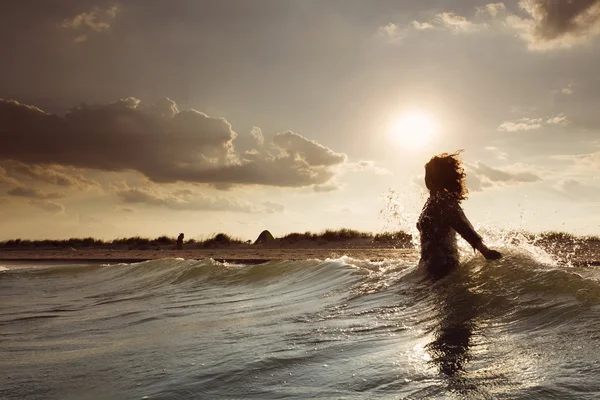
[229,255]
[242,255]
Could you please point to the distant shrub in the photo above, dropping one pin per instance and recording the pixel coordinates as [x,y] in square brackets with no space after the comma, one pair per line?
[391,237]
[83,242]
[132,241]
[298,237]
[163,241]
[329,235]
[344,234]
[220,239]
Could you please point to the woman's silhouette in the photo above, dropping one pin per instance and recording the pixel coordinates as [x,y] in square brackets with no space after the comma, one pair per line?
[442,216]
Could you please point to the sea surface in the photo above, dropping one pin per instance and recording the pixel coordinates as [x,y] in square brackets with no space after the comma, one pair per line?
[522,327]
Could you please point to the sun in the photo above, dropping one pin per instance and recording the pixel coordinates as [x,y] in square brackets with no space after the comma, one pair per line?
[413,129]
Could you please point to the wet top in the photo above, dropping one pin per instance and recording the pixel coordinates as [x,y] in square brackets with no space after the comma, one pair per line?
[441,217]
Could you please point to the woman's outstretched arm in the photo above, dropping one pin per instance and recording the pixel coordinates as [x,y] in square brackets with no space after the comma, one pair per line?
[488,253]
[461,224]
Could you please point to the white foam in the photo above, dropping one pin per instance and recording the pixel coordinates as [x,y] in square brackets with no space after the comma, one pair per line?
[2,268]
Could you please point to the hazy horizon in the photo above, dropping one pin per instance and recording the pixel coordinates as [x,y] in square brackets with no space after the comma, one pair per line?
[120,118]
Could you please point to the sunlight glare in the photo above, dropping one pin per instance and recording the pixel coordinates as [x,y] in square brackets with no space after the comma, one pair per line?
[413,129]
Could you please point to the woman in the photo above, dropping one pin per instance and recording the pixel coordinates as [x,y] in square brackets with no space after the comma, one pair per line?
[442,216]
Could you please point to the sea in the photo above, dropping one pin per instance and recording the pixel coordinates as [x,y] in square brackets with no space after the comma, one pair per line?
[523,327]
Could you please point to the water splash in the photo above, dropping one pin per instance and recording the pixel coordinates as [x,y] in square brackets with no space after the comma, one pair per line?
[511,241]
[401,211]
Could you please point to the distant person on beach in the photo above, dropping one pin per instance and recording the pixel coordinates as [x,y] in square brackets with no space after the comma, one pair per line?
[442,216]
[180,242]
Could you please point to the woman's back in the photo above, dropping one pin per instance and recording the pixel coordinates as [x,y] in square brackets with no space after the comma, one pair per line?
[440,219]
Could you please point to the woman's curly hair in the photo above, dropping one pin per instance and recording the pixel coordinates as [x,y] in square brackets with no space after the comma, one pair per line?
[445,173]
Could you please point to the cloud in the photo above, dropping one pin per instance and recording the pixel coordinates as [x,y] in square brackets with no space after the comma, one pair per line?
[567,90]
[390,31]
[545,25]
[187,200]
[492,9]
[298,147]
[456,22]
[96,20]
[552,24]
[48,206]
[21,191]
[448,21]
[422,26]
[500,155]
[444,21]
[482,175]
[364,165]
[589,160]
[577,189]
[558,120]
[330,187]
[528,124]
[256,132]
[523,124]
[161,142]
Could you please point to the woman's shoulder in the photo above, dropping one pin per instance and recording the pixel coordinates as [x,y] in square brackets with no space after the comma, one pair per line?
[444,201]
[443,197]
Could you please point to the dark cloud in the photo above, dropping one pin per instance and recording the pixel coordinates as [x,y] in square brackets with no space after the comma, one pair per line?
[4,178]
[557,23]
[48,206]
[54,175]
[161,142]
[21,191]
[186,200]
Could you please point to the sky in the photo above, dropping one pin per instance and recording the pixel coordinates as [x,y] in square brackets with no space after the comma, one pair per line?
[123,118]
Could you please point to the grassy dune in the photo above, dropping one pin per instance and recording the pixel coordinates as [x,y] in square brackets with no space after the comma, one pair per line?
[212,241]
[328,236]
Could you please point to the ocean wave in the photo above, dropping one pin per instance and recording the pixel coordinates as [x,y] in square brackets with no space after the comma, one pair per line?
[340,327]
